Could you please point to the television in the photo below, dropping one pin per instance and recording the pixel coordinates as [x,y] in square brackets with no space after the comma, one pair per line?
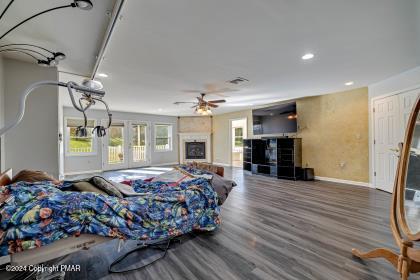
[278,119]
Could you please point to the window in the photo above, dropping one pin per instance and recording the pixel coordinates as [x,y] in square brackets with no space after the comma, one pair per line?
[79,145]
[238,137]
[163,137]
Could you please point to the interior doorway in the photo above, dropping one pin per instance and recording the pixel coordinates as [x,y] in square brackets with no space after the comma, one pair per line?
[238,132]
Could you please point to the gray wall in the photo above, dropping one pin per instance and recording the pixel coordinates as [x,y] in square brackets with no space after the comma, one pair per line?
[75,164]
[33,144]
[2,165]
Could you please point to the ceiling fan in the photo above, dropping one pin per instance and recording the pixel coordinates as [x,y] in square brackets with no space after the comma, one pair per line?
[202,106]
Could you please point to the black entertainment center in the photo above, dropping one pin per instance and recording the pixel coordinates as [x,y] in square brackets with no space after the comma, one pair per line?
[276,157]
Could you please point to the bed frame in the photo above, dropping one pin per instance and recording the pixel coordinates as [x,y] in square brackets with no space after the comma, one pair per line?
[59,248]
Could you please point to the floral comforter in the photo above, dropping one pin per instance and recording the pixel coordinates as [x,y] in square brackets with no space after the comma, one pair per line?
[37,214]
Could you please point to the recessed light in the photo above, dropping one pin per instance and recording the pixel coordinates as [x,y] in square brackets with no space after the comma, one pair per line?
[350,83]
[103,75]
[308,56]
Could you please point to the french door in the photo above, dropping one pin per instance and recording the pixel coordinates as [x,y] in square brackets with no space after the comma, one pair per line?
[126,145]
[139,146]
[390,121]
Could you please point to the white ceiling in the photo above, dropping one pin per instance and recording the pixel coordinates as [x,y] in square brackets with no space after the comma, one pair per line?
[161,48]
[77,33]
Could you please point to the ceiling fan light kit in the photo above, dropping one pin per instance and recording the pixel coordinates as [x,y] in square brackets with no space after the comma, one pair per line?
[202,106]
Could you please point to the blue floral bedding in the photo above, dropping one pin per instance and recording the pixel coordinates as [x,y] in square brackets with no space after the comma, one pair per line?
[37,214]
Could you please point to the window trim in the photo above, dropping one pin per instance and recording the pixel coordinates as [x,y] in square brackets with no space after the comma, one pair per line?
[171,138]
[67,140]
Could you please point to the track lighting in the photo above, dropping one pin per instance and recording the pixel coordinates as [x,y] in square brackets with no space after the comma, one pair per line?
[59,56]
[81,4]
[56,56]
[43,63]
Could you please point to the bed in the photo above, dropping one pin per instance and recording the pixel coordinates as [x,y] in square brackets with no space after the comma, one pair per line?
[52,249]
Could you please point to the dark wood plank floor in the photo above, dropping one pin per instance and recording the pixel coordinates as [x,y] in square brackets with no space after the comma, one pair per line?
[272,229]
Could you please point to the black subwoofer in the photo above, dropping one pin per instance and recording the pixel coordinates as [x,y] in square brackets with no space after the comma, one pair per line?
[308,174]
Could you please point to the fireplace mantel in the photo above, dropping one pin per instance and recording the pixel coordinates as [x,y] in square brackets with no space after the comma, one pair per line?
[191,137]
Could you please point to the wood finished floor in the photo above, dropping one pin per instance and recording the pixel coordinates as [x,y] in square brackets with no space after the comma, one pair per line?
[272,229]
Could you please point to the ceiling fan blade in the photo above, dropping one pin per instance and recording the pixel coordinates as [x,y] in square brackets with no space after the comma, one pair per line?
[195,106]
[212,105]
[217,101]
[181,102]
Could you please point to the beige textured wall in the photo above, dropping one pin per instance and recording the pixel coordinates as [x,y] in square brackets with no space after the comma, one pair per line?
[221,130]
[334,132]
[195,124]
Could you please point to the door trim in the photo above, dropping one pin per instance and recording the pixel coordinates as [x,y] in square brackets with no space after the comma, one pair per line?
[372,168]
[230,135]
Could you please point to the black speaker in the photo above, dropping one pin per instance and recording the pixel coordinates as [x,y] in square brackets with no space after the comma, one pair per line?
[308,174]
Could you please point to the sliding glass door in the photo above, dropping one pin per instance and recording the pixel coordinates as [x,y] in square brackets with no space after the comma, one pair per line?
[126,145]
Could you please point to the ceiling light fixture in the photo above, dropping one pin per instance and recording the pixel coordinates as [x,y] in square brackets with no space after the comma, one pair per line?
[103,75]
[308,56]
[81,4]
[350,83]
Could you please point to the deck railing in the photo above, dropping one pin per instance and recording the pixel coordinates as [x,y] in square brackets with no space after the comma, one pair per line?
[80,150]
[116,154]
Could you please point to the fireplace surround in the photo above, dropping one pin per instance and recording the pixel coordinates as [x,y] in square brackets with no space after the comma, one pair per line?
[194,147]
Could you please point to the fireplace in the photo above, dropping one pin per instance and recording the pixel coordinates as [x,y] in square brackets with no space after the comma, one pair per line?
[194,147]
[195,150]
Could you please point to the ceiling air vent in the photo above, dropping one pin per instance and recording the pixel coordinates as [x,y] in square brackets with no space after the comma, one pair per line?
[238,80]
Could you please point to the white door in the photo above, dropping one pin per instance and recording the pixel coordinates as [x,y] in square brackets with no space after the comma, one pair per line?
[386,137]
[115,147]
[406,105]
[390,120]
[139,146]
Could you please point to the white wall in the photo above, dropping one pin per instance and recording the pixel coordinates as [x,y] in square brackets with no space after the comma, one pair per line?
[33,144]
[2,81]
[400,82]
[75,164]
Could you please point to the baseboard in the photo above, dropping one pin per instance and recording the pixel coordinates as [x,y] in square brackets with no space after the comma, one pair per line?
[341,181]
[163,164]
[82,172]
[222,164]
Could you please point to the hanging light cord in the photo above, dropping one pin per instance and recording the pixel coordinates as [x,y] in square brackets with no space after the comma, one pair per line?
[38,14]
[29,45]
[7,7]
[28,54]
[27,50]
